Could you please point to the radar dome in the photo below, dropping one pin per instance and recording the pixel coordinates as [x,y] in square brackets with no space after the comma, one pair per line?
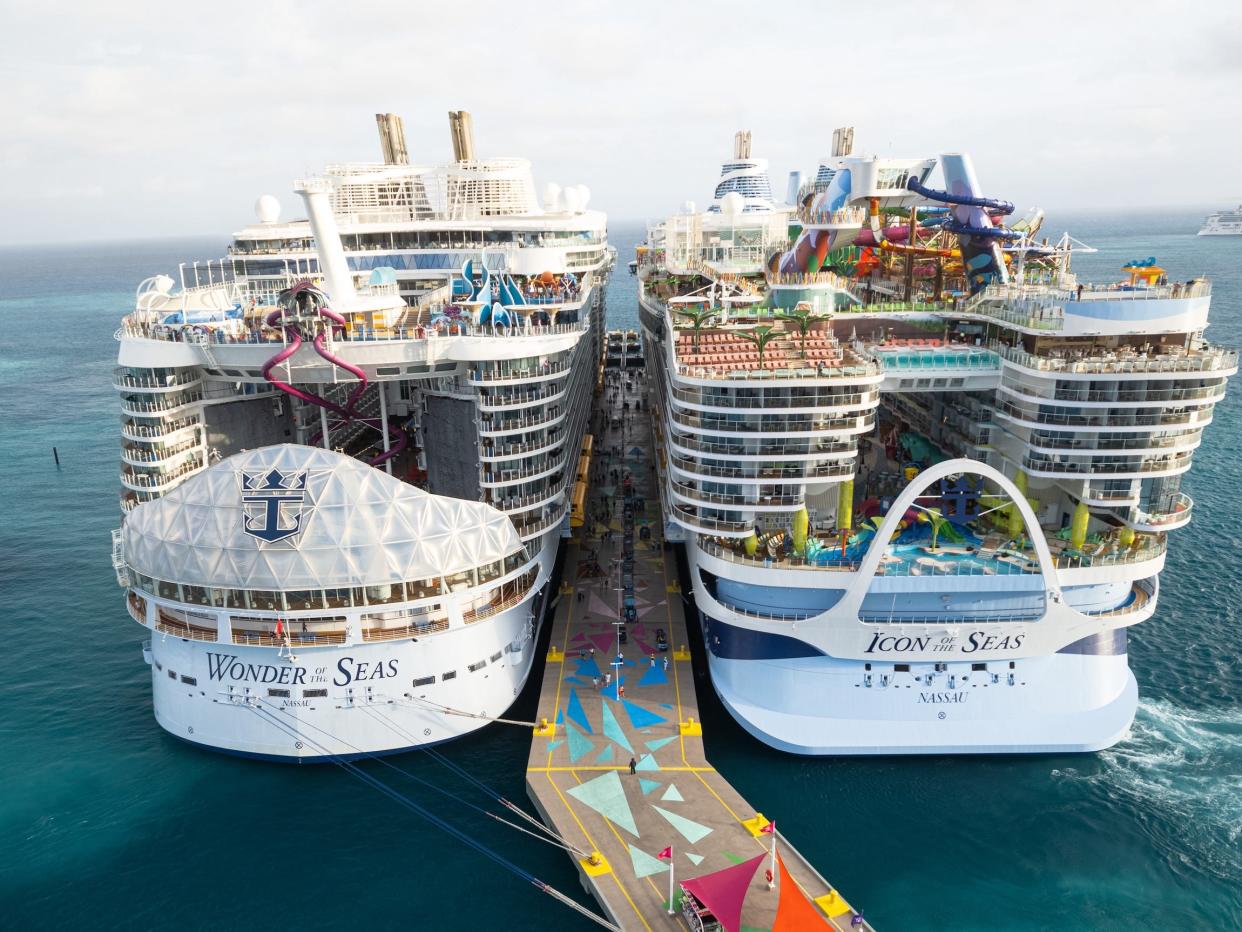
[731,204]
[267,209]
[572,198]
[552,197]
[163,284]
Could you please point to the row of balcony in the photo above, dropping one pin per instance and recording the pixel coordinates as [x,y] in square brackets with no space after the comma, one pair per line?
[124,380]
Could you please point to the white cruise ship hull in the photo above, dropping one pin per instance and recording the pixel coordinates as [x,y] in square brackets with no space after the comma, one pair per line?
[371,706]
[797,699]
[1061,704]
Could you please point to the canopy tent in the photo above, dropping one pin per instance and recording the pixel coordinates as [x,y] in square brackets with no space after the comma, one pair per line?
[355,526]
[724,891]
[794,912]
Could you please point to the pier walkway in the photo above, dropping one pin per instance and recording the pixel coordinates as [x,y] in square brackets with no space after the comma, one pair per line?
[601,716]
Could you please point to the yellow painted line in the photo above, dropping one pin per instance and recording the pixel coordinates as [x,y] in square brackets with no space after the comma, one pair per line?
[569,623]
[571,769]
[595,847]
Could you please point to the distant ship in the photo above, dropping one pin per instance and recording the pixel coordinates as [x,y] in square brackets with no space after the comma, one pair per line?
[1223,223]
[349,453]
[924,475]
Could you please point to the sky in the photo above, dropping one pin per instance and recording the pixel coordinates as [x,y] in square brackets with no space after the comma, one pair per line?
[133,120]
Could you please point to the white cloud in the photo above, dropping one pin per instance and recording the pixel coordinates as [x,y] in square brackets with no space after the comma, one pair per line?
[172,118]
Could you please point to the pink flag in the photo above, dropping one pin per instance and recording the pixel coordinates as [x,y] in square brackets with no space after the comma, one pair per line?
[666,854]
[769,828]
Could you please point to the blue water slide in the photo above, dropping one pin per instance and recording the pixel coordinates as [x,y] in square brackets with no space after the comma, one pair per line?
[966,229]
[944,197]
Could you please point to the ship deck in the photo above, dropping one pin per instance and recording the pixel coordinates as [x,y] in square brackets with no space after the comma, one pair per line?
[579,774]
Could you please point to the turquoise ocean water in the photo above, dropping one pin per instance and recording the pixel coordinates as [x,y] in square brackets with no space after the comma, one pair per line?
[106,822]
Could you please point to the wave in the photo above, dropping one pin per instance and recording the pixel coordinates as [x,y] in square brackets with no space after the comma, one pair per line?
[1178,774]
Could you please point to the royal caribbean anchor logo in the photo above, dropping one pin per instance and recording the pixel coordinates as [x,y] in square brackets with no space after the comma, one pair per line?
[273,503]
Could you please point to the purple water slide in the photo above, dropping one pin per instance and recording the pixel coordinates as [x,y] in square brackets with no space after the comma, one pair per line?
[347,412]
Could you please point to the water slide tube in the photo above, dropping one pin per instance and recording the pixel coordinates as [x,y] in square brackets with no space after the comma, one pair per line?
[881,238]
[812,246]
[346,412]
[983,261]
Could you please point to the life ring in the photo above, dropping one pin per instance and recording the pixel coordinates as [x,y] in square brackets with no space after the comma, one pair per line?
[768,873]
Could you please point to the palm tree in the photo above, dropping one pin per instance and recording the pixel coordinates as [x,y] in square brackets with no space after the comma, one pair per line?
[761,337]
[699,317]
[801,318]
[938,523]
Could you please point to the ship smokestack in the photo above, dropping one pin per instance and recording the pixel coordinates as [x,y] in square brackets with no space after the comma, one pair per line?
[392,139]
[842,141]
[741,144]
[338,280]
[461,129]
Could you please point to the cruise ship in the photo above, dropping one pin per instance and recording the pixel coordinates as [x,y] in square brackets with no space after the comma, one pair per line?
[925,476]
[1223,223]
[350,450]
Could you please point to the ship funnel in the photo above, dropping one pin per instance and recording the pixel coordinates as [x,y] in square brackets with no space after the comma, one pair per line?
[392,139]
[338,281]
[741,144]
[796,181]
[461,128]
[842,141]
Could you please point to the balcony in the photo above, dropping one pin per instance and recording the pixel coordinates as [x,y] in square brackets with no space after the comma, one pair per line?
[162,406]
[490,452]
[1178,515]
[773,476]
[755,503]
[777,400]
[1205,359]
[1171,465]
[124,381]
[687,516]
[159,481]
[507,401]
[532,374]
[494,427]
[131,430]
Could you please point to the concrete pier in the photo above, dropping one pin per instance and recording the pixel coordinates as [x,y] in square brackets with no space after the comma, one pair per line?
[618,770]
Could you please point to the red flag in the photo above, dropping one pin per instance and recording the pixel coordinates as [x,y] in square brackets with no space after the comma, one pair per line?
[280,626]
[769,828]
[666,854]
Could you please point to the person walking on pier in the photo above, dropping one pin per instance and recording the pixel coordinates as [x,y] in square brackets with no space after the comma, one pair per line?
[633,766]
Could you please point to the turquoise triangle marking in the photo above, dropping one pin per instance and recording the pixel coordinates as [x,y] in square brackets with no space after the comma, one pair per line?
[673,795]
[648,785]
[660,742]
[612,728]
[560,717]
[647,763]
[575,712]
[695,859]
[555,744]
[690,830]
[606,796]
[605,756]
[645,865]
[640,717]
[579,744]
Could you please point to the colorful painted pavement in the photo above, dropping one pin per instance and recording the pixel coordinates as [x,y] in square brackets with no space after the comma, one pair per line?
[619,769]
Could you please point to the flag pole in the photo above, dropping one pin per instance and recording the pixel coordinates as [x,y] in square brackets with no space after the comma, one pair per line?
[772,883]
[672,869]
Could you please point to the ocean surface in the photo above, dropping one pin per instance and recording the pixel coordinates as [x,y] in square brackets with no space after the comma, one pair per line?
[108,823]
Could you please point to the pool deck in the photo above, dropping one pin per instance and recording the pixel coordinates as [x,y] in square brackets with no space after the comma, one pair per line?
[579,771]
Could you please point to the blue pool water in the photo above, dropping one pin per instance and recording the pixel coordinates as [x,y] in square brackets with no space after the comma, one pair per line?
[107,823]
